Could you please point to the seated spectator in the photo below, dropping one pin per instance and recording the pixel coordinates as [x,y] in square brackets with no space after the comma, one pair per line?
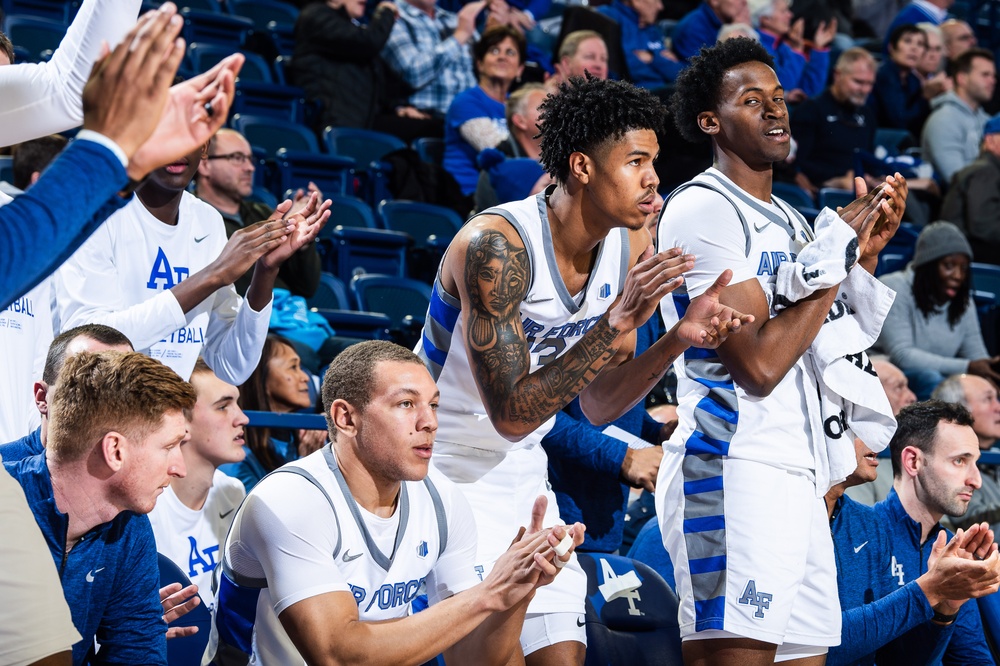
[89,338]
[731,30]
[954,130]
[225,179]
[369,496]
[898,391]
[582,51]
[898,96]
[930,69]
[932,330]
[651,64]
[958,38]
[429,48]
[918,11]
[880,608]
[114,441]
[515,176]
[980,398]
[802,67]
[278,384]
[161,271]
[700,27]
[29,159]
[973,201]
[193,516]
[476,119]
[933,460]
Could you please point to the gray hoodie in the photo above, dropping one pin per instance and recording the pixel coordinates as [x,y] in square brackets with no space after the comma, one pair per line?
[952,134]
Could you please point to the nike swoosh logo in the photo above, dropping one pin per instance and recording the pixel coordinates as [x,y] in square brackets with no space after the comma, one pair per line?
[857,549]
[198,240]
[759,229]
[350,558]
[580,622]
[90,574]
[538,300]
[223,515]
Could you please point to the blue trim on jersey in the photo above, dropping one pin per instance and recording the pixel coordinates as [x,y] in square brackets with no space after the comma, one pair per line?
[694,353]
[705,524]
[699,442]
[707,565]
[712,407]
[433,353]
[681,303]
[443,313]
[712,610]
[709,384]
[236,613]
[703,485]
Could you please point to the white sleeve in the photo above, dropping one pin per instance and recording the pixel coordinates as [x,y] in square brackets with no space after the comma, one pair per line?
[41,99]
[89,289]
[235,336]
[455,569]
[291,548]
[705,224]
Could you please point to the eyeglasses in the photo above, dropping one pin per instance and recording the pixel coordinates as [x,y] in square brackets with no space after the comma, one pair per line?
[237,159]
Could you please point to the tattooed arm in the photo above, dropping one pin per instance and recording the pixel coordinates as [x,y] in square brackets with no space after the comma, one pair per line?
[488,267]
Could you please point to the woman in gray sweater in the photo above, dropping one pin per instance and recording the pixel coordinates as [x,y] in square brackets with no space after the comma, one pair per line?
[932,330]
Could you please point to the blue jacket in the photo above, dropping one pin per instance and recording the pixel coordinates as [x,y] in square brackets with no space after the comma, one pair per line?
[110,578]
[794,70]
[40,229]
[963,641]
[655,74]
[699,27]
[19,449]
[876,610]
[897,104]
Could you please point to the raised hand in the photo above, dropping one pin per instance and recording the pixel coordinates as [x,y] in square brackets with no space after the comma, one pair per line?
[954,575]
[177,602]
[707,322]
[303,228]
[251,243]
[825,32]
[652,278]
[863,213]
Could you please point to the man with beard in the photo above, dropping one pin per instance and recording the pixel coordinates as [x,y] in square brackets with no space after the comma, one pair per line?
[161,271]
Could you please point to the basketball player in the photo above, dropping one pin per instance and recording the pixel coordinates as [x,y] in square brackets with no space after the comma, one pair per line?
[740,512]
[537,301]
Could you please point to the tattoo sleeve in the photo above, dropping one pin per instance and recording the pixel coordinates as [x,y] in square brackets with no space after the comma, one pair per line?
[497,279]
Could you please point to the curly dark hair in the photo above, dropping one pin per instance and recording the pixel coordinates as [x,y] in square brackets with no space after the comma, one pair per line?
[699,86]
[587,113]
[925,288]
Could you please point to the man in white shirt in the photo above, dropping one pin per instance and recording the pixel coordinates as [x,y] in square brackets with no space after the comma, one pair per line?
[161,271]
[192,517]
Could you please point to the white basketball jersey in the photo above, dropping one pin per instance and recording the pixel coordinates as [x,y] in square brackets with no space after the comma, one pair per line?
[553,320]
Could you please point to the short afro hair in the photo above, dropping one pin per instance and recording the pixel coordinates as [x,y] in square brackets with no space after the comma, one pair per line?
[699,86]
[587,113]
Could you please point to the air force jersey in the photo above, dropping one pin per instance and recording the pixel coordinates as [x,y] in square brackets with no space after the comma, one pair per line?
[552,319]
[724,227]
[122,276]
[300,534]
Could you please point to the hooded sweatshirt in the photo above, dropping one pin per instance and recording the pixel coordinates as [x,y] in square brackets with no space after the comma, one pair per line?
[952,134]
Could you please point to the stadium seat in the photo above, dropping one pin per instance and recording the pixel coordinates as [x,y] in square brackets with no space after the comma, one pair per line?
[333,175]
[203,57]
[264,196]
[282,35]
[831,197]
[430,149]
[286,103]
[631,613]
[366,148]
[347,211]
[403,300]
[350,251]
[37,36]
[890,262]
[894,141]
[205,27]
[648,549]
[54,10]
[330,294]
[185,650]
[986,277]
[792,194]
[419,220]
[263,12]
[7,168]
[271,134]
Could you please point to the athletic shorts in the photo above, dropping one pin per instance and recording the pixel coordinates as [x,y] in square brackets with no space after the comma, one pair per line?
[751,548]
[501,487]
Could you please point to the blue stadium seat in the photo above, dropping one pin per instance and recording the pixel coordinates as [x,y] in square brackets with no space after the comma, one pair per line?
[430,149]
[831,197]
[631,613]
[403,300]
[282,36]
[270,99]
[281,66]
[648,549]
[350,251]
[204,27]
[264,196]
[333,175]
[185,650]
[332,302]
[7,168]
[890,262]
[54,10]
[203,57]
[263,12]
[331,294]
[419,220]
[366,148]
[211,6]
[894,141]
[37,36]
[271,134]
[347,211]
[794,195]
[986,278]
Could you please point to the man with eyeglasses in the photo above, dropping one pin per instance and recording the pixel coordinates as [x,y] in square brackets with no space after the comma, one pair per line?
[225,180]
[161,271]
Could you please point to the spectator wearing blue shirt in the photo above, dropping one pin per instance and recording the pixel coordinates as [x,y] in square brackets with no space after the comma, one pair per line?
[803,74]
[700,27]
[898,95]
[650,63]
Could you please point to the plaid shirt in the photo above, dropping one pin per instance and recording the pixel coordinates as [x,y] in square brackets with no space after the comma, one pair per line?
[422,50]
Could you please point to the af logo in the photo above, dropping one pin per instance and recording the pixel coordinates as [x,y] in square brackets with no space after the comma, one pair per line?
[625,586]
[897,571]
[751,597]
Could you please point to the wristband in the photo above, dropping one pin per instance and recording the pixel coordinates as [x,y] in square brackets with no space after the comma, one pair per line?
[944,619]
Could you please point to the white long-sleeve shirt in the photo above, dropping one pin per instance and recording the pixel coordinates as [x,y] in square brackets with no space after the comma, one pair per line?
[122,276]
